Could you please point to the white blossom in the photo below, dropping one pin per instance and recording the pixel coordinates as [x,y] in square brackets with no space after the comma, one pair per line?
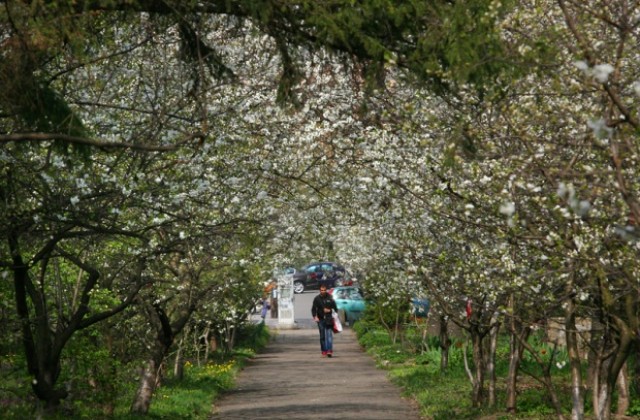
[583,208]
[581,65]
[508,208]
[600,128]
[562,190]
[601,72]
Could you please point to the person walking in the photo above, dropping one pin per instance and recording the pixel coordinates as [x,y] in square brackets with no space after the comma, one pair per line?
[321,312]
[265,307]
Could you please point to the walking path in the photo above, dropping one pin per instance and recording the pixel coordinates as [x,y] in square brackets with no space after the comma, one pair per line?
[290,380]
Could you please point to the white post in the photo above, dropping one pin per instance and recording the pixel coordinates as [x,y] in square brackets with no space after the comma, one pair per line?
[285,301]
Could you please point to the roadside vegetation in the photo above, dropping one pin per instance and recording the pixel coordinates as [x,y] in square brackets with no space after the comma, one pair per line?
[414,362]
[185,394]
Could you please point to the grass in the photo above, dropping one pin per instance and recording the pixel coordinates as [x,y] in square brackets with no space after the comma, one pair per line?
[191,397]
[448,395]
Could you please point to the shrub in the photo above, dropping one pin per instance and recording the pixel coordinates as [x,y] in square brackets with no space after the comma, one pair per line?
[253,336]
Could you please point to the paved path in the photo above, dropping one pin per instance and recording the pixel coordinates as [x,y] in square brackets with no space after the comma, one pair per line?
[284,382]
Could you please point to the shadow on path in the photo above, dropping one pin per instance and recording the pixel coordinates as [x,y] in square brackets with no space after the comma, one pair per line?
[290,380]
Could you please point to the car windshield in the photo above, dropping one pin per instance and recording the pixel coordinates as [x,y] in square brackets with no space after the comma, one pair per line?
[350,294]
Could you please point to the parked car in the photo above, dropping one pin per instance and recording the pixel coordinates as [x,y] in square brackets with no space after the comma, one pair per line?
[312,275]
[350,303]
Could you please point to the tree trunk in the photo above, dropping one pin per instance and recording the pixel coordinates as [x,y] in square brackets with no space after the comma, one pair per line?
[396,325]
[149,380]
[207,347]
[445,343]
[43,358]
[635,383]
[515,357]
[617,340]
[546,378]
[602,398]
[595,342]
[232,340]
[178,365]
[575,363]
[43,338]
[491,361]
[166,331]
[477,396]
[152,373]
[623,392]
[213,343]
[607,376]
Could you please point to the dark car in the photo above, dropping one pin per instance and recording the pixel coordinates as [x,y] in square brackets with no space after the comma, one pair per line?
[325,272]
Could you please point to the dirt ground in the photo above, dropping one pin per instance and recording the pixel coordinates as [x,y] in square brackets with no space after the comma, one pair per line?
[290,380]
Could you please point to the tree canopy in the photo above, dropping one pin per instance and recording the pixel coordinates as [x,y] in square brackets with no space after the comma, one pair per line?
[158,154]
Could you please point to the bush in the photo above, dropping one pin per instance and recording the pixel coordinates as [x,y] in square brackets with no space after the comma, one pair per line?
[253,336]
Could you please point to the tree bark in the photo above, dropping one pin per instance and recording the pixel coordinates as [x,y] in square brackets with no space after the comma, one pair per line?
[635,382]
[575,363]
[491,361]
[516,350]
[617,340]
[149,380]
[623,392]
[607,377]
[43,360]
[166,331]
[152,374]
[178,365]
[445,343]
[477,396]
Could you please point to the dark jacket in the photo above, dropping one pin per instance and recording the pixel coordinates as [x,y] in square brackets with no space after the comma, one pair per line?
[319,303]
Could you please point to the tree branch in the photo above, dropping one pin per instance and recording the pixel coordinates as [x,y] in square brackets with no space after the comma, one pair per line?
[41,137]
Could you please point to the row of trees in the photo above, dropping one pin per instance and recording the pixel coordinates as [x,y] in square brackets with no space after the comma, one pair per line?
[160,158]
[522,197]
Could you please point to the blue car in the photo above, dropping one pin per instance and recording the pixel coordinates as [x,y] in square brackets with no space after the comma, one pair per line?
[420,307]
[350,303]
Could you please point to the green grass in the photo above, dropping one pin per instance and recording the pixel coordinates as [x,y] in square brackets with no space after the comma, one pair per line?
[191,397]
[448,395]
[439,397]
